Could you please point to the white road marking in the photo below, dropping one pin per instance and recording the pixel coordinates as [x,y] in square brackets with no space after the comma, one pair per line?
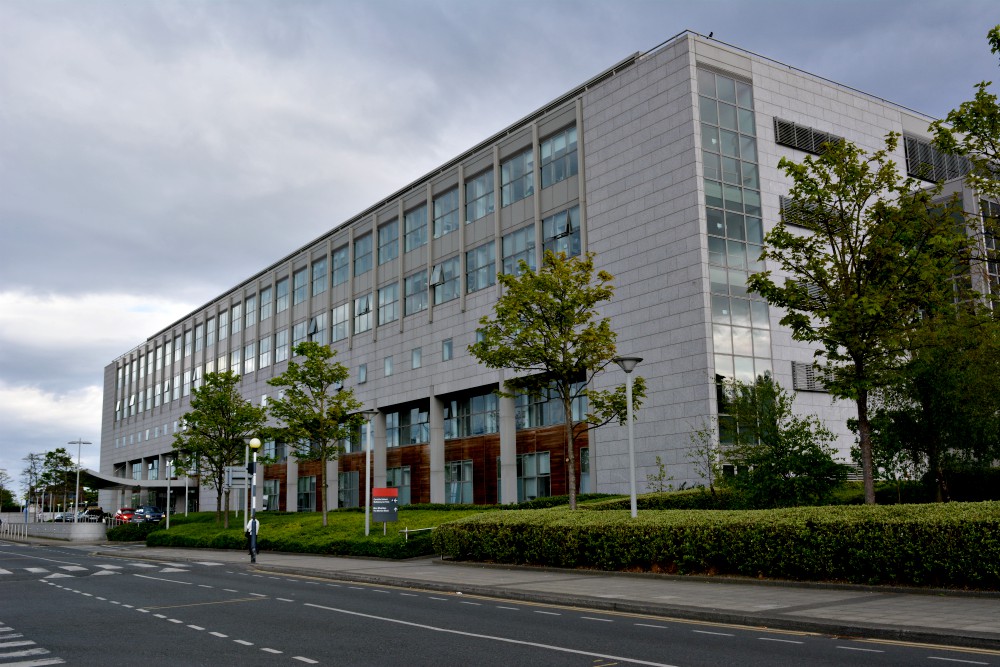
[967,662]
[506,640]
[271,650]
[219,634]
[243,641]
[706,632]
[305,660]
[865,650]
[783,641]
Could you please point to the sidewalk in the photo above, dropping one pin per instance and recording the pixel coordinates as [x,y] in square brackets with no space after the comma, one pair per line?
[934,617]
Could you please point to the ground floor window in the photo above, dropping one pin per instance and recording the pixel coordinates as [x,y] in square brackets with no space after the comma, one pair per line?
[347,489]
[399,478]
[585,470]
[458,482]
[307,494]
[533,478]
[272,487]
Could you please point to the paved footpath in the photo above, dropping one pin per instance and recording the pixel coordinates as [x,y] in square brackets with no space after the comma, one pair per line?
[937,617]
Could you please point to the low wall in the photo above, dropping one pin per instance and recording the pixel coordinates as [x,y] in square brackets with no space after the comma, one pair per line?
[14,528]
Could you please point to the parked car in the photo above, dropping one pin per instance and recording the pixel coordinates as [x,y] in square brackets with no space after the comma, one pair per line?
[124,514]
[91,515]
[63,517]
[147,513]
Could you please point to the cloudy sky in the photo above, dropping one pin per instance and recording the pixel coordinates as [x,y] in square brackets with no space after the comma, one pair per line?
[153,154]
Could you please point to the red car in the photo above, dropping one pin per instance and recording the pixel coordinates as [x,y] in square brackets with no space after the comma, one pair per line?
[124,515]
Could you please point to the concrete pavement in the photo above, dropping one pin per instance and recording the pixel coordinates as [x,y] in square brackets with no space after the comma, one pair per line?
[937,617]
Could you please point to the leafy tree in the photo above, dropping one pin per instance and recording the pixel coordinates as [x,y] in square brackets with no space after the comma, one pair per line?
[659,481]
[315,412]
[704,455]
[57,470]
[973,131]
[215,433]
[546,329]
[943,412]
[871,255]
[781,458]
[6,496]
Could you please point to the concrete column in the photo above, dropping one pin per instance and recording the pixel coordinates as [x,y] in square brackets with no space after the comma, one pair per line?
[508,450]
[436,419]
[378,450]
[292,484]
[332,498]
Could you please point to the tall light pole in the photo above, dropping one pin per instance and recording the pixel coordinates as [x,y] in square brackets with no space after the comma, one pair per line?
[254,446]
[369,415]
[76,498]
[628,364]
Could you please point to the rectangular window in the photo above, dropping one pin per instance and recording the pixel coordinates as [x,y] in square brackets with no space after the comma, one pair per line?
[533,477]
[517,177]
[168,354]
[479,196]
[272,489]
[300,334]
[415,228]
[415,293]
[445,280]
[199,337]
[251,311]
[317,328]
[235,361]
[558,157]
[480,267]
[281,294]
[786,132]
[363,254]
[209,331]
[446,213]
[264,347]
[249,357]
[363,313]
[416,357]
[388,366]
[188,339]
[388,304]
[388,242]
[236,319]
[561,232]
[347,489]
[307,494]
[266,307]
[585,470]
[362,373]
[186,386]
[154,470]
[519,245]
[300,286]
[341,266]
[407,427]
[446,350]
[458,482]
[338,322]
[399,478]
[319,280]
[281,346]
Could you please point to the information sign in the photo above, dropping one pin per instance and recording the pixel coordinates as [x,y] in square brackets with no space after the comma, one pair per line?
[385,503]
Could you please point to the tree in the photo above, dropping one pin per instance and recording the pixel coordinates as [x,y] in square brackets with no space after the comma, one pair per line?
[315,412]
[215,433]
[57,468]
[781,459]
[547,331]
[6,496]
[973,131]
[30,475]
[869,257]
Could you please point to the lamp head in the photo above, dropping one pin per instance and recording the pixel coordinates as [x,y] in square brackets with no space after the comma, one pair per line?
[254,444]
[627,364]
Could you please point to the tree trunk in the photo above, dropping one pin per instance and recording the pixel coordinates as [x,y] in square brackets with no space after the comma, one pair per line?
[865,442]
[570,453]
[325,486]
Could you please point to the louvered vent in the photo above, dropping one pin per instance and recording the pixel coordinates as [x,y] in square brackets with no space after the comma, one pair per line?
[805,377]
[927,163]
[801,137]
[797,213]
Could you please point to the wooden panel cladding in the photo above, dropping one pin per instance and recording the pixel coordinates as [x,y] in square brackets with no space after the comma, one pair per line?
[278,471]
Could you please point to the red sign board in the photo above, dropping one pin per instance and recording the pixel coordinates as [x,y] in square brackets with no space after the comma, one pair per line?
[385,502]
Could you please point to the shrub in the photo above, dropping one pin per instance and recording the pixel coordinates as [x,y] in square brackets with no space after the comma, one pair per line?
[132,532]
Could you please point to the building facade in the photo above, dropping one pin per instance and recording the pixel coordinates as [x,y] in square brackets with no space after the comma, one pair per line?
[664,166]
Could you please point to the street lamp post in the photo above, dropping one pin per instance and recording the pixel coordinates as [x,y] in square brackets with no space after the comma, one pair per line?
[254,446]
[369,415]
[628,364]
[76,499]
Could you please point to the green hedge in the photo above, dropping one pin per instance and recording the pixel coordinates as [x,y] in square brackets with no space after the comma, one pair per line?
[132,532]
[951,545]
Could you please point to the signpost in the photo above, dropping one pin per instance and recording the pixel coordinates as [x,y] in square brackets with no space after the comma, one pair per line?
[385,505]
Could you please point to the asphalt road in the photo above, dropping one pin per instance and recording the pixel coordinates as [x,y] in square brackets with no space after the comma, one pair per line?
[61,605]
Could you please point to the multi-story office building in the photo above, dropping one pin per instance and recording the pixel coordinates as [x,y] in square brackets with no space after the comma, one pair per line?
[665,166]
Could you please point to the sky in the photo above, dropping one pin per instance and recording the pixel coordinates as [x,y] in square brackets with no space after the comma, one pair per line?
[153,154]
